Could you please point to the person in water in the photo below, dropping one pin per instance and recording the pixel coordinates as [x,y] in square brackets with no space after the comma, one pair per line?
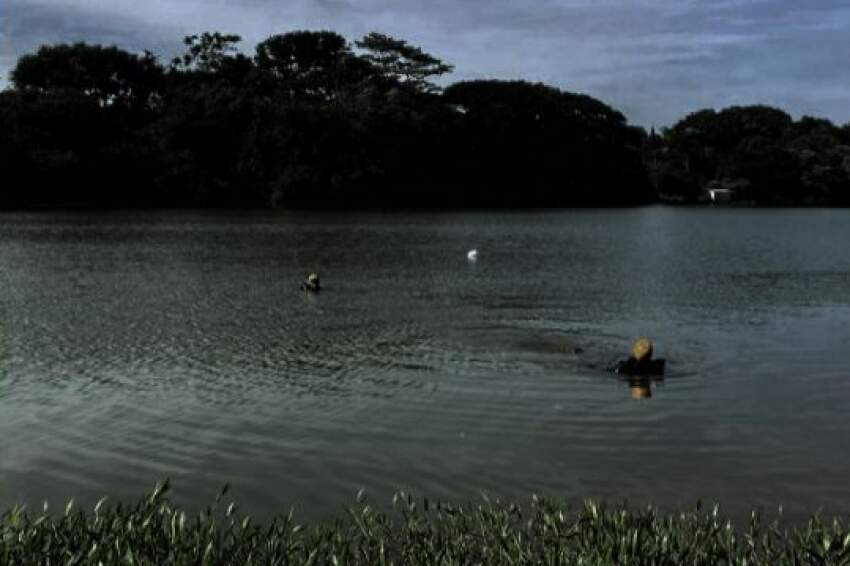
[640,361]
[311,283]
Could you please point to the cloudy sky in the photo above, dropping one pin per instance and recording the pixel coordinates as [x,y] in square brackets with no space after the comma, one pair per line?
[655,60]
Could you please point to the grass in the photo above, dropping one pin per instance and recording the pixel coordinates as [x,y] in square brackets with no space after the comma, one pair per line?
[412,531]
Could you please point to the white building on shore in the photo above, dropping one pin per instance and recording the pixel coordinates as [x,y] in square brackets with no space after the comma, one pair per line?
[720,196]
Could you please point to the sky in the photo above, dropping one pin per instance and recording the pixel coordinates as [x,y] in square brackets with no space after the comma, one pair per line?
[654,60]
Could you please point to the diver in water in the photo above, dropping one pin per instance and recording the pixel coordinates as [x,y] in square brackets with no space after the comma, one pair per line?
[640,361]
[311,283]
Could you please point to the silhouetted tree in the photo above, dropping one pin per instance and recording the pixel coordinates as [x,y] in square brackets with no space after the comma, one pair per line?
[310,65]
[759,152]
[108,74]
[399,62]
[309,122]
[76,119]
[532,145]
[207,52]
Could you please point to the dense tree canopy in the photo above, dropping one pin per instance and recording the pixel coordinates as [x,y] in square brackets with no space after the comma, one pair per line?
[107,74]
[315,65]
[759,153]
[72,129]
[528,135]
[310,120]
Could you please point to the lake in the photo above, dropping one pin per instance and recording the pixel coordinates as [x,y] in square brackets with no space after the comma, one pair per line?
[145,345]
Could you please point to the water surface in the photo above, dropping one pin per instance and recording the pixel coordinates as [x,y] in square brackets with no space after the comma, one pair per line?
[141,346]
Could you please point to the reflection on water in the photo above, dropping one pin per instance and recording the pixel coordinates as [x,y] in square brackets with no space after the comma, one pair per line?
[641,387]
[140,346]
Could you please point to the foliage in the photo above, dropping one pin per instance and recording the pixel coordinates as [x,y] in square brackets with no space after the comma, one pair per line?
[107,74]
[759,152]
[309,120]
[153,531]
[399,62]
[207,52]
[563,148]
[307,64]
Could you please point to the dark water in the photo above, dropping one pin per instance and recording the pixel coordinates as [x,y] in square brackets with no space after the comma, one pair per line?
[142,346]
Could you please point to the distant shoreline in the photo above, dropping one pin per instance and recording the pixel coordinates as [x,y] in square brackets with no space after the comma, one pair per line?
[81,210]
[313,121]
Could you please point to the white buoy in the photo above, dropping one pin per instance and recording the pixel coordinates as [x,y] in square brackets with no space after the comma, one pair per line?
[472,255]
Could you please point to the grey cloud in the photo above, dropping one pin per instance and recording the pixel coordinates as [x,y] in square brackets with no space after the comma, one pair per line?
[32,24]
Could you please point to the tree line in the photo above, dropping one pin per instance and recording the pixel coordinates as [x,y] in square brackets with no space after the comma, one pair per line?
[312,120]
[759,153]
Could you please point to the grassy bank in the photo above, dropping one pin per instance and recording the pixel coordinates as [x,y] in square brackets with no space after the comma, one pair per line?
[412,531]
